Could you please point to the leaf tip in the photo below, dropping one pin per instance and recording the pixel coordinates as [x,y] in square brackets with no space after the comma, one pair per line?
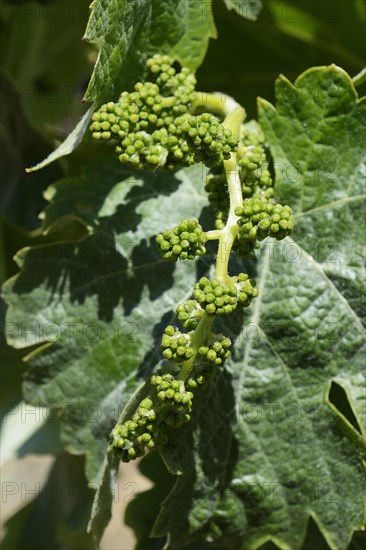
[33,168]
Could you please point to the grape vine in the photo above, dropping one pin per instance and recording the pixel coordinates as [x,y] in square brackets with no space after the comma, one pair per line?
[163,124]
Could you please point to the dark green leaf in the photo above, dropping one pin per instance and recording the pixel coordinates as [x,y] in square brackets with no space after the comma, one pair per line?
[141,512]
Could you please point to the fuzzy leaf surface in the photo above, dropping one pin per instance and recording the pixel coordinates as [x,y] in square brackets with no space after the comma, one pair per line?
[96,305]
[128,32]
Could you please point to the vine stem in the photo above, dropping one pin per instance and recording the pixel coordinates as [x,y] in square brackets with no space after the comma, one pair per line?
[234,116]
[213,235]
[360,78]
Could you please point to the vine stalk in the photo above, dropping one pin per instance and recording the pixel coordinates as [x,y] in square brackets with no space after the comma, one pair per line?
[234,116]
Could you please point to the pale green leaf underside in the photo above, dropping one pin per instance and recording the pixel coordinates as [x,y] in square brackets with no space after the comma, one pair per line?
[128,32]
[292,454]
[249,9]
[70,143]
[101,512]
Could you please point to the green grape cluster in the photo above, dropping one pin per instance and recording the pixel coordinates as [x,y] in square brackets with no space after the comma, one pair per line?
[221,218]
[216,350]
[175,345]
[246,289]
[153,125]
[251,134]
[189,314]
[253,171]
[209,141]
[218,196]
[184,242]
[261,218]
[252,158]
[169,407]
[130,438]
[179,84]
[200,376]
[174,402]
[218,298]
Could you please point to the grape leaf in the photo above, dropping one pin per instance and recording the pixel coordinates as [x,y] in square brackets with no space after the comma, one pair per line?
[249,9]
[282,451]
[97,304]
[101,512]
[127,33]
[69,144]
[326,183]
[141,511]
[288,37]
[293,453]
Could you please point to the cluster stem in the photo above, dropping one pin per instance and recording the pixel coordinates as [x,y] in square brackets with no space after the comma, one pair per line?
[234,116]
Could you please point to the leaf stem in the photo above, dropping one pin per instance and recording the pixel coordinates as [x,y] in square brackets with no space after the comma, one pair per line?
[217,103]
[360,77]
